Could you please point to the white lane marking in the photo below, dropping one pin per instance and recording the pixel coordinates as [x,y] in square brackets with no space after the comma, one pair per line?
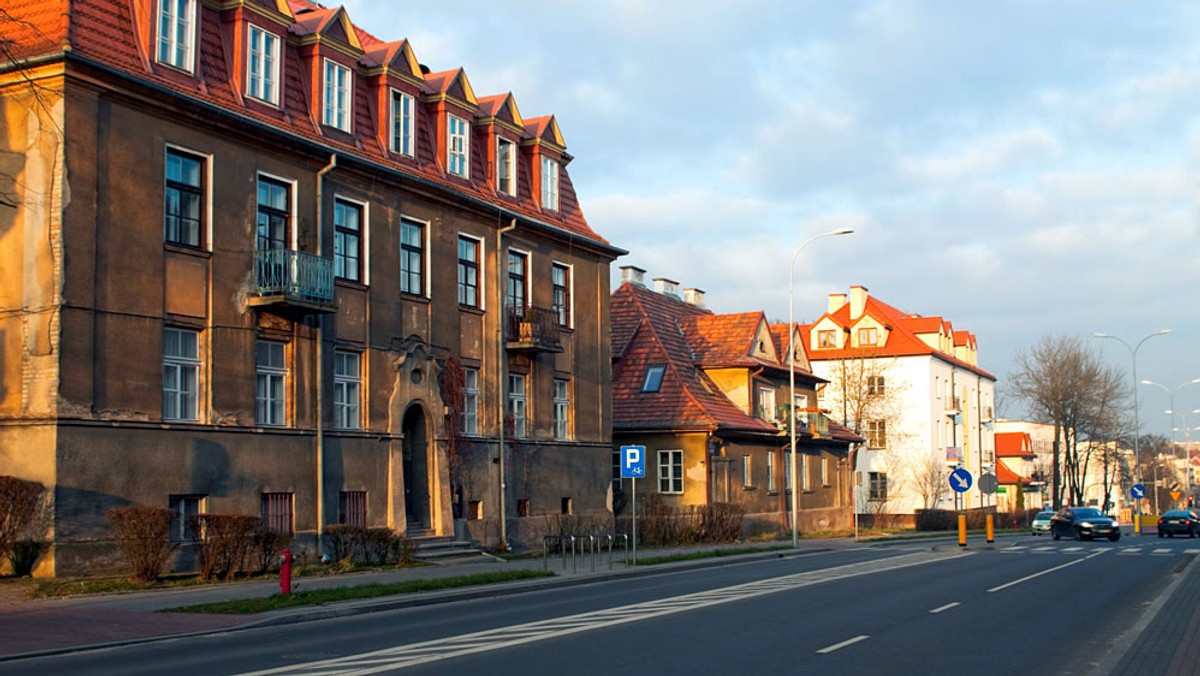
[1072,549]
[1161,551]
[1027,578]
[1191,551]
[944,608]
[1016,547]
[1045,548]
[843,644]
[399,657]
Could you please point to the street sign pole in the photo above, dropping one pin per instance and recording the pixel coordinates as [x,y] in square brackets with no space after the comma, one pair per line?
[634,482]
[633,467]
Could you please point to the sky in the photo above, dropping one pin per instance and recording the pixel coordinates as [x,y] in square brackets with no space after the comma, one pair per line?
[1022,169]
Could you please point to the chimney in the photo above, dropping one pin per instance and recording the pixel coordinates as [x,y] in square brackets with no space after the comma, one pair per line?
[667,287]
[858,301]
[633,274]
[694,296]
[836,301]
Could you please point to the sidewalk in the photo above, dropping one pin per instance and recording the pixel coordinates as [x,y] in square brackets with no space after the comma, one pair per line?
[49,626]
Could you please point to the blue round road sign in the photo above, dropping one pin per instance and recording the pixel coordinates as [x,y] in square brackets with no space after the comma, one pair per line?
[960,480]
[1137,491]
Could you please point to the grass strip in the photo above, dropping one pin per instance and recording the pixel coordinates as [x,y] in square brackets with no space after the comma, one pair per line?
[317,597]
[709,554]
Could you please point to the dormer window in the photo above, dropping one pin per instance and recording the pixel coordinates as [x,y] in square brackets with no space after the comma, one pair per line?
[337,96]
[402,123]
[177,33]
[868,336]
[262,77]
[827,338]
[506,166]
[549,184]
[457,141]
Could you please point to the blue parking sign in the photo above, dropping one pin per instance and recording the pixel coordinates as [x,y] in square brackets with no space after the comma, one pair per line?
[633,462]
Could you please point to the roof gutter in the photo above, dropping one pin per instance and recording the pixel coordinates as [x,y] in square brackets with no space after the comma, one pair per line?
[323,149]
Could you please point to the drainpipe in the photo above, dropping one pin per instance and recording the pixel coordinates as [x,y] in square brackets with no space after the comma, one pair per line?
[319,366]
[501,368]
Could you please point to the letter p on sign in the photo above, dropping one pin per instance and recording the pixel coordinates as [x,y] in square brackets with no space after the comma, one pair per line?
[633,462]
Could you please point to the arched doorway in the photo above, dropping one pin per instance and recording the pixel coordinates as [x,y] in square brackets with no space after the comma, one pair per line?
[416,469]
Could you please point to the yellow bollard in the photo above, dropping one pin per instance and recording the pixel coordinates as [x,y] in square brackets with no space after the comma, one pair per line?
[991,530]
[962,530]
[1137,524]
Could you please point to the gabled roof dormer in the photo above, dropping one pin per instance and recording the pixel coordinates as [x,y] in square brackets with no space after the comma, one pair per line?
[449,98]
[501,129]
[547,152]
[329,49]
[394,81]
[256,32]
[763,345]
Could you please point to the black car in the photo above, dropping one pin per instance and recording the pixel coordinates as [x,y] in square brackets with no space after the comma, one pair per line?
[1179,521]
[1083,523]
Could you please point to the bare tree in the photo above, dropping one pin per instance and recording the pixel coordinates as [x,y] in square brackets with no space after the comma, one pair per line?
[1063,382]
[931,480]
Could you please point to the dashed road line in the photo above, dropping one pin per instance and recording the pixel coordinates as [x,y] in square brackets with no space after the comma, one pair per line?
[944,608]
[1027,578]
[843,644]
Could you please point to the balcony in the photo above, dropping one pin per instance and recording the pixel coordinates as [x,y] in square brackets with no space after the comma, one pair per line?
[953,406]
[811,421]
[292,283]
[532,329]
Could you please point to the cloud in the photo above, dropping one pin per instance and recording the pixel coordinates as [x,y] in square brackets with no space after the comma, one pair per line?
[995,153]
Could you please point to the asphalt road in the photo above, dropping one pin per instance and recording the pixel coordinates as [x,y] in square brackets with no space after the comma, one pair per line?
[1030,606]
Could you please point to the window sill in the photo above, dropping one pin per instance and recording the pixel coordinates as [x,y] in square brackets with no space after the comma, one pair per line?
[413,297]
[470,309]
[350,284]
[187,249]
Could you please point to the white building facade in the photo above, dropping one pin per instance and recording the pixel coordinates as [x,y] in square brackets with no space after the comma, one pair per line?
[910,385]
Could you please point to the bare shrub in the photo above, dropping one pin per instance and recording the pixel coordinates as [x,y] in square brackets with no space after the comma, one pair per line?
[142,533]
[345,542]
[222,543]
[266,548]
[20,503]
[379,545]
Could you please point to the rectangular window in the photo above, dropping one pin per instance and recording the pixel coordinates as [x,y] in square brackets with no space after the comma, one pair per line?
[470,418]
[458,142]
[805,472]
[347,240]
[746,479]
[824,471]
[868,336]
[412,257]
[766,403]
[549,184]
[185,508]
[827,338]
[181,375]
[876,433]
[347,390]
[878,487]
[517,403]
[875,385]
[403,123]
[277,513]
[337,96]
[262,77]
[271,374]
[176,33]
[616,473]
[560,278]
[274,214]
[352,508]
[468,271]
[518,274]
[670,472]
[654,378]
[771,472]
[787,470]
[562,409]
[183,198]
[506,166]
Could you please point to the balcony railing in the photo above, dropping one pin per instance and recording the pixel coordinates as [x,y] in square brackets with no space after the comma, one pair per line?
[292,280]
[953,405]
[808,421]
[532,329]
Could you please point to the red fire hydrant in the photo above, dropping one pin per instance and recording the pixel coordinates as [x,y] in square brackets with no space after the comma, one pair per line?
[285,572]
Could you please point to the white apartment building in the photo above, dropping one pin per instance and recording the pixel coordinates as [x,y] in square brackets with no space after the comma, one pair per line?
[910,385]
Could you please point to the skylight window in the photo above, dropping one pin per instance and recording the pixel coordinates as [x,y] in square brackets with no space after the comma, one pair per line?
[654,378]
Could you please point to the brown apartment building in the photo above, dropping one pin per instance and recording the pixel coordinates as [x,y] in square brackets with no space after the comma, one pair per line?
[707,395]
[258,261]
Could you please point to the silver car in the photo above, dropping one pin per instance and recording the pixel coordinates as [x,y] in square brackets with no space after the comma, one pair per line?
[1041,522]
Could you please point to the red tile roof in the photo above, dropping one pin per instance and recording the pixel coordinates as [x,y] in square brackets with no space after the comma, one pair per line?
[903,339]
[104,32]
[650,328]
[1014,445]
[1004,475]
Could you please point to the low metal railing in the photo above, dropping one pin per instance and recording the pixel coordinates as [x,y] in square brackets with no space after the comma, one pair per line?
[576,546]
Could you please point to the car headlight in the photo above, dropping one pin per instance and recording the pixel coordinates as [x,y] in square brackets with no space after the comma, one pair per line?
[1086,524]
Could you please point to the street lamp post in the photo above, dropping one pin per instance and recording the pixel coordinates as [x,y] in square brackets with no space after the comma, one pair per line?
[1137,458]
[792,384]
[1171,412]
